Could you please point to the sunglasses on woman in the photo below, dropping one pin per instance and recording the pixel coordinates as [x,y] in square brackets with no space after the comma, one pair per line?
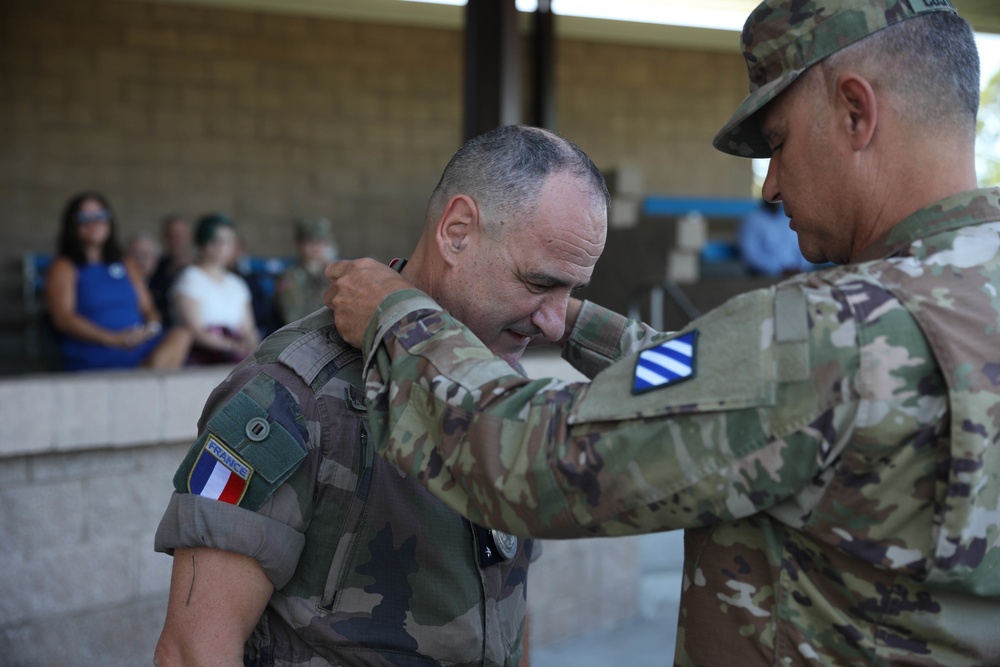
[86,217]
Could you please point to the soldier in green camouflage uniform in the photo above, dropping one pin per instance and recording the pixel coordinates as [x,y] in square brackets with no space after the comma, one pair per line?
[829,444]
[291,536]
[300,288]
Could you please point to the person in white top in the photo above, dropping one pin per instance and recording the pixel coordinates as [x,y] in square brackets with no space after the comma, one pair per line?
[213,301]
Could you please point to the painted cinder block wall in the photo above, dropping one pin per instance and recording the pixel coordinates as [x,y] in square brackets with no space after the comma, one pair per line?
[169,107]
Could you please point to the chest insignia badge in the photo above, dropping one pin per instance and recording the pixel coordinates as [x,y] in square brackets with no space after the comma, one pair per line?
[668,363]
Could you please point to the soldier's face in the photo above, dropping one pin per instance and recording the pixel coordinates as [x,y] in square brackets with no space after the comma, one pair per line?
[807,169]
[315,251]
[516,285]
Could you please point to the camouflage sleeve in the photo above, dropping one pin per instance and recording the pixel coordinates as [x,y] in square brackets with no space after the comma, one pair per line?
[600,337]
[239,487]
[770,402]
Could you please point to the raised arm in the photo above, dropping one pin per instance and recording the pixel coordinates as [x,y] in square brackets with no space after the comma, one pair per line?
[598,337]
[751,427]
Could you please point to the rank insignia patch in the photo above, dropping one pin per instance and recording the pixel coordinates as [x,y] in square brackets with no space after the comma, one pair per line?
[668,363]
[219,474]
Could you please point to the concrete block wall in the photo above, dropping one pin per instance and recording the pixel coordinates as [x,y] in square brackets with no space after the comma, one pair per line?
[656,110]
[85,470]
[82,585]
[170,107]
[86,463]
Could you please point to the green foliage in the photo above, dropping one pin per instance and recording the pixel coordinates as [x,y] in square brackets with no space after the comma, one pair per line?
[988,134]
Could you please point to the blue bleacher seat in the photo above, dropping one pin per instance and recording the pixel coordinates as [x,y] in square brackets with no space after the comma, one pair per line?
[38,335]
[264,270]
[720,251]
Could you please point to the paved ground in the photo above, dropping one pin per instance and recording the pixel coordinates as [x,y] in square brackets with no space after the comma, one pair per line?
[641,642]
[647,640]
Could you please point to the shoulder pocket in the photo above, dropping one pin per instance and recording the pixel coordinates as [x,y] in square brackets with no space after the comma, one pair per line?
[252,444]
[731,368]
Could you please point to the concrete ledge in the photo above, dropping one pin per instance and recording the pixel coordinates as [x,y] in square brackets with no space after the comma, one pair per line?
[67,412]
[86,469]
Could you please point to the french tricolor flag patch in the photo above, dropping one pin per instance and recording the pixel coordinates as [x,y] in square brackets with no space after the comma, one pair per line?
[668,363]
[219,474]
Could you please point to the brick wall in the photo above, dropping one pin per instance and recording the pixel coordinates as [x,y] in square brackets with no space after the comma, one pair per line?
[168,107]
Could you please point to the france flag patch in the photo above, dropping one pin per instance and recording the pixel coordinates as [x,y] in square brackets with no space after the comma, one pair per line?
[668,363]
[219,474]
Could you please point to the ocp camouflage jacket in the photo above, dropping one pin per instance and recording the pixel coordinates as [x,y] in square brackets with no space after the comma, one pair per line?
[830,447]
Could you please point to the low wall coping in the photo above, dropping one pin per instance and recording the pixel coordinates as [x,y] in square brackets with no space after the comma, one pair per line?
[63,412]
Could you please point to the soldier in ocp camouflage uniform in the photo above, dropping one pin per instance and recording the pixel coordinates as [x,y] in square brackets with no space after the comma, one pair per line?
[290,536]
[830,445]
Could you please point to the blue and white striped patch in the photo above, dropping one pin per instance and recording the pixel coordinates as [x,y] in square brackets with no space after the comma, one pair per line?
[666,364]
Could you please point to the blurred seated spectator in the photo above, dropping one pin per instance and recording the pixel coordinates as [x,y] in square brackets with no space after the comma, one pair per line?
[768,245]
[300,289]
[213,301]
[178,253]
[99,304]
[144,251]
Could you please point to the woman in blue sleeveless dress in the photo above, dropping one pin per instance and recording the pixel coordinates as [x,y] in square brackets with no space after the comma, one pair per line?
[100,307]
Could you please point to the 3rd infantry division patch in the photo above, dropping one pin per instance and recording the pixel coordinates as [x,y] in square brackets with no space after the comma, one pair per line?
[668,363]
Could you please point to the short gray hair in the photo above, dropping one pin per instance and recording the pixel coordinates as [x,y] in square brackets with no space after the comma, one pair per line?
[504,170]
[930,63]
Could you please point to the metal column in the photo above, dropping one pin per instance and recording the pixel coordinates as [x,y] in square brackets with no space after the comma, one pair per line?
[492,66]
[543,110]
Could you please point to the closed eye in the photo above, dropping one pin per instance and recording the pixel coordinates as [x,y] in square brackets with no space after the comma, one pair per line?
[537,283]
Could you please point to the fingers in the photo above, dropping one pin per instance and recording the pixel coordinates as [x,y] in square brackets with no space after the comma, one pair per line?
[132,337]
[341,268]
[357,287]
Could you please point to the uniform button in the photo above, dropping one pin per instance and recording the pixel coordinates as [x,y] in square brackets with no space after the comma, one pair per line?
[257,429]
[506,544]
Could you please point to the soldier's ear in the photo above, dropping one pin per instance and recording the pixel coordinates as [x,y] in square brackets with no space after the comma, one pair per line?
[857,109]
[456,227]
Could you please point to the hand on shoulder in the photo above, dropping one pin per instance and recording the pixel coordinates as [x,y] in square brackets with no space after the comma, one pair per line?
[357,287]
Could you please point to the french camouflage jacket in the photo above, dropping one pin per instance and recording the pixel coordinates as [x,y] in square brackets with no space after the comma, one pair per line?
[369,568]
[830,445]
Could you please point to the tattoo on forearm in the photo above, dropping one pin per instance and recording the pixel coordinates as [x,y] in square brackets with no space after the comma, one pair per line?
[193,575]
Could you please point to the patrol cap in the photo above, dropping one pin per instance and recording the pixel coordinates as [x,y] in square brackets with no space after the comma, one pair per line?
[313,229]
[782,38]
